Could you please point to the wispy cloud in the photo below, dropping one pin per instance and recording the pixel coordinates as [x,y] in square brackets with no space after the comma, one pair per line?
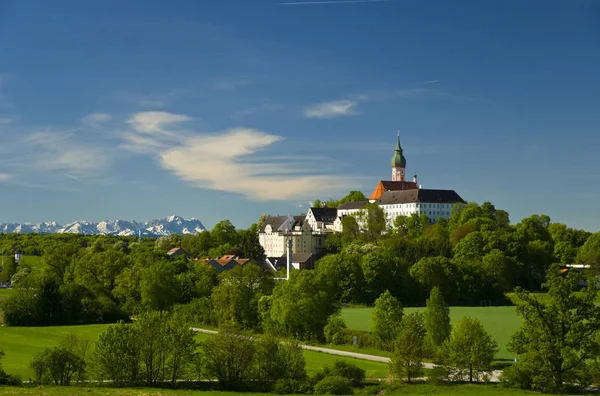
[234,160]
[350,105]
[61,151]
[334,109]
[156,122]
[333,2]
[5,177]
[7,120]
[96,120]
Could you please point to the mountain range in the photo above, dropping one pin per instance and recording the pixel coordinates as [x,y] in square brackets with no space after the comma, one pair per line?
[158,227]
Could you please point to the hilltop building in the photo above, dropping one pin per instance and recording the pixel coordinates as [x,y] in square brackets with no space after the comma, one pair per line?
[397,197]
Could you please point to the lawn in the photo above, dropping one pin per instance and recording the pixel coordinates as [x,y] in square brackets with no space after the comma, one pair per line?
[405,390]
[29,261]
[5,292]
[315,361]
[21,344]
[500,322]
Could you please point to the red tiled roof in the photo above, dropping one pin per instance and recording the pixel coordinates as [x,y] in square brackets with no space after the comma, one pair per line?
[388,185]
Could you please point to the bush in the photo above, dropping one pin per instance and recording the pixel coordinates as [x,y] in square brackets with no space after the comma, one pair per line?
[335,330]
[292,387]
[364,338]
[437,375]
[517,376]
[350,371]
[62,363]
[333,385]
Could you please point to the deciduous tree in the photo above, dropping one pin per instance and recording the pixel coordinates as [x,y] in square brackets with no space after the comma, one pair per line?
[558,336]
[386,319]
[437,320]
[409,348]
[469,351]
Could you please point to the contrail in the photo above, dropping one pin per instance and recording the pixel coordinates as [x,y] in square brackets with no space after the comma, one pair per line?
[334,2]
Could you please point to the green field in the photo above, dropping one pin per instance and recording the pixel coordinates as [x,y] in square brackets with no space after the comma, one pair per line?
[21,344]
[5,292]
[406,390]
[500,322]
[29,260]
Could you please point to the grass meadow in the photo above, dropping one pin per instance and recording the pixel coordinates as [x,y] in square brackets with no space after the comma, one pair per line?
[21,344]
[500,322]
[405,390]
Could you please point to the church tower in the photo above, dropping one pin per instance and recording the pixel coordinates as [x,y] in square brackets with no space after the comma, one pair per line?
[398,163]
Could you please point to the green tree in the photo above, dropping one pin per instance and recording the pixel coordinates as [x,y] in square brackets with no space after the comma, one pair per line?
[334,329]
[432,272]
[375,221]
[163,244]
[386,319]
[277,360]
[181,344]
[409,348]
[228,357]
[300,307]
[350,371]
[589,253]
[416,224]
[333,385]
[350,228]
[8,270]
[61,363]
[160,286]
[154,348]
[224,232]
[437,320]
[558,336]
[469,351]
[117,354]
[249,244]
[236,298]
[353,196]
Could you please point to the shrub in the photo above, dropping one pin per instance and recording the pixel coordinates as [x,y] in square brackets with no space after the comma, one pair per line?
[333,385]
[61,363]
[289,386]
[335,330]
[350,371]
[364,338]
[8,379]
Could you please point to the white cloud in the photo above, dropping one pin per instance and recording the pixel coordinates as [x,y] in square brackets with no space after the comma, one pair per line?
[96,120]
[5,177]
[155,122]
[6,121]
[338,108]
[231,161]
[62,152]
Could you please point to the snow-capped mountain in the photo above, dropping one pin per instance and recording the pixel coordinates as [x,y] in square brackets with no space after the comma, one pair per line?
[158,227]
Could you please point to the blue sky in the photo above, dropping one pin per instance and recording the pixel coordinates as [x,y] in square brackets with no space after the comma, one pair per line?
[234,108]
